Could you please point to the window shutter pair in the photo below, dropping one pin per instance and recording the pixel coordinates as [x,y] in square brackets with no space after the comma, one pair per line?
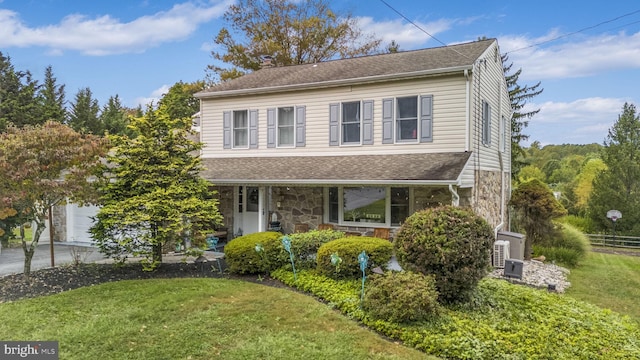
[300,126]
[425,118]
[227,129]
[367,123]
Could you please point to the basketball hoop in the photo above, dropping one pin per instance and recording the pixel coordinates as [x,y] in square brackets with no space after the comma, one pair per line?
[614,215]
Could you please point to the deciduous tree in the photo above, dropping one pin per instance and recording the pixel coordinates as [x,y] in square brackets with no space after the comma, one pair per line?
[41,167]
[618,187]
[151,190]
[291,32]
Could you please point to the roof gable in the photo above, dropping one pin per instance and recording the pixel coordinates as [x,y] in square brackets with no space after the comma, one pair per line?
[360,69]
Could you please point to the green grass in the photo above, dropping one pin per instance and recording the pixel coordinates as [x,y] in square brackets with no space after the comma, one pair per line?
[192,319]
[609,281]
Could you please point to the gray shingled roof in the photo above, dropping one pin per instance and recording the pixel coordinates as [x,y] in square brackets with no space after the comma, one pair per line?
[408,168]
[366,68]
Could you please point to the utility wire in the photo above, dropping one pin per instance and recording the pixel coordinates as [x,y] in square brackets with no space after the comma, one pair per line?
[575,32]
[421,29]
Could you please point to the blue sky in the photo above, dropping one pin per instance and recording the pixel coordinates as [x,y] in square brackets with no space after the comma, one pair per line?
[585,53]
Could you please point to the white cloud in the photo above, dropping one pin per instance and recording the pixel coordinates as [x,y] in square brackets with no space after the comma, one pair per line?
[404,33]
[154,97]
[581,121]
[585,56]
[105,35]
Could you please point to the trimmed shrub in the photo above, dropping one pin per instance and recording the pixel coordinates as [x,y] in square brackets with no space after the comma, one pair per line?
[451,243]
[581,223]
[304,247]
[241,255]
[378,250]
[401,297]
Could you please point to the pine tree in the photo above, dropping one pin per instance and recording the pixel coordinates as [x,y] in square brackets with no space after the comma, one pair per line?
[114,116]
[53,100]
[18,97]
[83,117]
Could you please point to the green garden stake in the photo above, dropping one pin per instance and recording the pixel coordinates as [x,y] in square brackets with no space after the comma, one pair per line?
[336,261]
[260,250]
[286,242]
[363,259]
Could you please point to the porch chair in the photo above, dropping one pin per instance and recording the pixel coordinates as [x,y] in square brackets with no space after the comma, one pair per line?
[325,227]
[301,228]
[381,233]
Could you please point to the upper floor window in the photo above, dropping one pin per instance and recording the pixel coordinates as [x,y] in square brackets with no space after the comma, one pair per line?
[286,126]
[240,129]
[407,119]
[351,123]
[486,123]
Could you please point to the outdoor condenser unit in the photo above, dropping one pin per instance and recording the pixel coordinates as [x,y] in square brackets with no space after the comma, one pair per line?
[500,253]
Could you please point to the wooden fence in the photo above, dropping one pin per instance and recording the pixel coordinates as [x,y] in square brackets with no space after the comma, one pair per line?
[630,242]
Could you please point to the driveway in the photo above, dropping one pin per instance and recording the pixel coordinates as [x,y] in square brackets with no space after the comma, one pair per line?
[12,260]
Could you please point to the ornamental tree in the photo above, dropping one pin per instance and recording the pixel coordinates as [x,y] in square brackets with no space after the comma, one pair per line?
[536,207]
[43,166]
[151,190]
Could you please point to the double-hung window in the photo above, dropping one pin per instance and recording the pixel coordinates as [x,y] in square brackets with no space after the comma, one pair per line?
[240,129]
[407,118]
[286,126]
[351,122]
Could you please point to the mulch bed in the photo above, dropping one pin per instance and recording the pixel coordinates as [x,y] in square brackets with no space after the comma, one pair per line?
[54,280]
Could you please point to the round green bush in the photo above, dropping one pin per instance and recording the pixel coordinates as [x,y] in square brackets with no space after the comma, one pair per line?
[304,246]
[451,243]
[401,297]
[348,249]
[241,255]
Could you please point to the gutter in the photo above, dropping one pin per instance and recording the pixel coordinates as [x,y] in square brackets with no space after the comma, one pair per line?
[316,182]
[332,83]
[467,111]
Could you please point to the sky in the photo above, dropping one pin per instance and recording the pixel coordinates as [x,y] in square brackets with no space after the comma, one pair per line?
[585,54]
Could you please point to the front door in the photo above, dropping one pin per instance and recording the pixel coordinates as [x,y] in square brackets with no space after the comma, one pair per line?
[249,209]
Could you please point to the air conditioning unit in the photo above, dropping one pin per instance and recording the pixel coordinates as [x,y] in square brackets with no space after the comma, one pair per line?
[500,253]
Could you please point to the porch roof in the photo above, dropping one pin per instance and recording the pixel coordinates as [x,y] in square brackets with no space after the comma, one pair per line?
[424,169]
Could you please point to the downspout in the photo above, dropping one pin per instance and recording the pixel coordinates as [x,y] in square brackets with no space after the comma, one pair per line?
[467,110]
[454,195]
[503,140]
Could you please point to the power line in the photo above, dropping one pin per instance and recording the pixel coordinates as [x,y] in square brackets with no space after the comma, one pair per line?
[576,32]
[421,29]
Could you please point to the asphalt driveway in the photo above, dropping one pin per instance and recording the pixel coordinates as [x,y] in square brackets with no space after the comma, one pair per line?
[12,260]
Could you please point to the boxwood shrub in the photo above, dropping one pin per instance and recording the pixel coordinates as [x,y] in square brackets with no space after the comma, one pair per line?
[348,248]
[451,243]
[304,247]
[401,297]
[241,255]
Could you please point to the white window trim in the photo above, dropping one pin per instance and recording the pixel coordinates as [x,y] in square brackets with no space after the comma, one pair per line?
[387,216]
[486,124]
[359,142]
[233,129]
[395,121]
[293,127]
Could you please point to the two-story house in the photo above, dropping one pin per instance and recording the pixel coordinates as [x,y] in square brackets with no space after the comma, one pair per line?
[361,143]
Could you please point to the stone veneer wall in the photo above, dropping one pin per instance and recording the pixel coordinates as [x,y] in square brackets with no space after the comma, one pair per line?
[225,207]
[488,197]
[298,205]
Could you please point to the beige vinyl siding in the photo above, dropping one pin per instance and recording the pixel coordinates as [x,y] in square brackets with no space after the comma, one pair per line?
[448,118]
[489,85]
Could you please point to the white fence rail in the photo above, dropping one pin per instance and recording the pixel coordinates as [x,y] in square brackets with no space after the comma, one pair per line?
[631,242]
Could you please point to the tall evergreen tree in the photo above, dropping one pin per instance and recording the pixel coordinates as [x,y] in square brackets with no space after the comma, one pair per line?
[152,191]
[114,116]
[518,95]
[618,187]
[18,97]
[52,97]
[84,115]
